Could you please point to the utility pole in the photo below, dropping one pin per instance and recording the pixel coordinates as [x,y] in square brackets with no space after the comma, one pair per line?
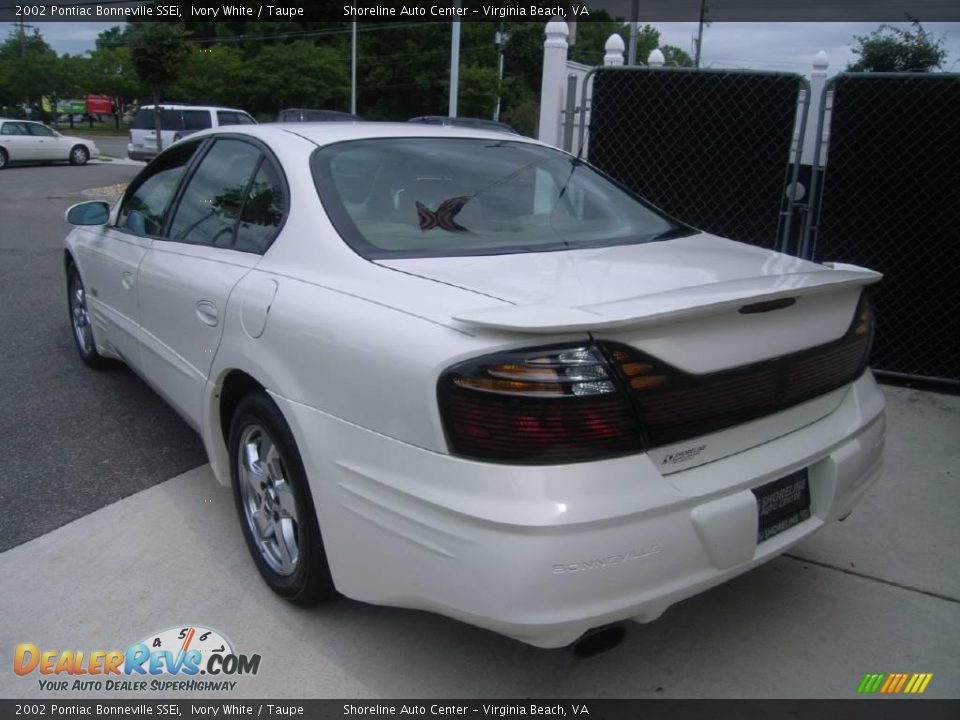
[23,37]
[501,40]
[634,15]
[703,16]
[454,67]
[353,68]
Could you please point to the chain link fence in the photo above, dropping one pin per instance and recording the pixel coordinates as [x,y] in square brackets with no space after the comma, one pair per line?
[890,200]
[710,147]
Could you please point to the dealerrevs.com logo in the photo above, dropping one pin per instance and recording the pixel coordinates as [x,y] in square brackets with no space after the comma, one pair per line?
[166,661]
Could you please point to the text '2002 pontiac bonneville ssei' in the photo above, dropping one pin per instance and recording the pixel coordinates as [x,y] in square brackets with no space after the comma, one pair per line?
[462,371]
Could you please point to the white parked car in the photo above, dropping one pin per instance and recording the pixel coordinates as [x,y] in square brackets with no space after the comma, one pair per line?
[472,375]
[24,141]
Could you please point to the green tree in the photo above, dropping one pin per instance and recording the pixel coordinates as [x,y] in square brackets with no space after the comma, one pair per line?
[215,75]
[299,74]
[111,73]
[478,91]
[69,79]
[157,51]
[28,68]
[893,49]
[675,57]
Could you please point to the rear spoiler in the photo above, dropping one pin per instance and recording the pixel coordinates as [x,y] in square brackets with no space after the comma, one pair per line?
[666,306]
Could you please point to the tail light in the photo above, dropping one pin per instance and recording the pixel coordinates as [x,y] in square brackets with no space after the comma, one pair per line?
[673,405]
[592,401]
[542,406]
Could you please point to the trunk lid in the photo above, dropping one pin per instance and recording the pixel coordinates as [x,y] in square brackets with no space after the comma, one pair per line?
[754,332]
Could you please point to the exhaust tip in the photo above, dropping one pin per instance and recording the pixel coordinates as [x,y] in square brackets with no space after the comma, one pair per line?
[599,640]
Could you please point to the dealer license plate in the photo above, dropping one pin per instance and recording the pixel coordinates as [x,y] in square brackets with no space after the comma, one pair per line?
[782,504]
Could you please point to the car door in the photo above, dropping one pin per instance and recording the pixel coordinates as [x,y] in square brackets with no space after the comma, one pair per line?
[186,278]
[20,145]
[47,142]
[109,257]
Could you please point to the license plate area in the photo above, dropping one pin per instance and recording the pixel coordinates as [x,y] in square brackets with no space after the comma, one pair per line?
[781,504]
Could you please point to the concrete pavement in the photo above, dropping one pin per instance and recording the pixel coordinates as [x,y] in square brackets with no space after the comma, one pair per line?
[877,593]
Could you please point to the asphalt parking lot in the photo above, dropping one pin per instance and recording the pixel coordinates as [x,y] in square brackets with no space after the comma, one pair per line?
[74,440]
[114,529]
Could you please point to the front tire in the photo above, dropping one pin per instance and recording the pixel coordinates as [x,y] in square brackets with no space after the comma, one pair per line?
[79,155]
[80,321]
[3,158]
[274,503]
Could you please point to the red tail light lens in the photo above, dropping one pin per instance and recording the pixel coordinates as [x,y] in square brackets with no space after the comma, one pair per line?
[540,406]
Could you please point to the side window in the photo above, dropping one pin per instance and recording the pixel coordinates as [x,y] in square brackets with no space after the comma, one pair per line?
[147,200]
[262,210]
[170,120]
[196,119]
[233,118]
[40,130]
[13,128]
[210,204]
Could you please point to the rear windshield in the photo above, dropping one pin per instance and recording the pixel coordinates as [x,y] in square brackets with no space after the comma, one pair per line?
[169,120]
[437,197]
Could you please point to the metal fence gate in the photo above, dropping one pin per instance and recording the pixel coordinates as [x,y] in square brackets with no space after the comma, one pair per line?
[710,147]
[889,199]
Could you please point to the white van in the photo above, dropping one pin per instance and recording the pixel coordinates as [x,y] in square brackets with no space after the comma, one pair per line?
[177,121]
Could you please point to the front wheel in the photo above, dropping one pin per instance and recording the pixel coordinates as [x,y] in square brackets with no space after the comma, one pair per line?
[3,158]
[274,503]
[80,321]
[79,155]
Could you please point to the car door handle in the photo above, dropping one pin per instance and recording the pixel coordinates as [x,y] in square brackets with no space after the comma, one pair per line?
[207,312]
[126,279]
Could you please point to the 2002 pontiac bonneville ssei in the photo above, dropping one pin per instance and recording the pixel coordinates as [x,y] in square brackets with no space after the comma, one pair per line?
[462,371]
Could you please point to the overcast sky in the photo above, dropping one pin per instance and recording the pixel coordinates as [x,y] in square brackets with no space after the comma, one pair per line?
[788,46]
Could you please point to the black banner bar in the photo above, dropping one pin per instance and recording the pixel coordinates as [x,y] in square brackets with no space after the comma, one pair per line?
[476,10]
[875,708]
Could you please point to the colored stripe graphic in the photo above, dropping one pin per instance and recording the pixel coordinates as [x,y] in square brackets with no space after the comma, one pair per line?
[921,685]
[891,680]
[894,683]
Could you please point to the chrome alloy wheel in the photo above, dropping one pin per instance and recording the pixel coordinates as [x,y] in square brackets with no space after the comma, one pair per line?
[79,316]
[268,503]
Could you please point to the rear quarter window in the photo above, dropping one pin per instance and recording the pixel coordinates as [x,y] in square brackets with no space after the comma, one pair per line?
[226,117]
[196,119]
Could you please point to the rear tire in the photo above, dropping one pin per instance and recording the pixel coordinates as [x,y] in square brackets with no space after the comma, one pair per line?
[3,158]
[274,504]
[79,155]
[80,321]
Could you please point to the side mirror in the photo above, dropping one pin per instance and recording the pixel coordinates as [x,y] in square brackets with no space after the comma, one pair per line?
[92,212]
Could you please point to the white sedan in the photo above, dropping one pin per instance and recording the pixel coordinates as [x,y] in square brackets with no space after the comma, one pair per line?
[448,369]
[23,141]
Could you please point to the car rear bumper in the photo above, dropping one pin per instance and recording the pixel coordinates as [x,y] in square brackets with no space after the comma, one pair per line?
[543,554]
[135,153]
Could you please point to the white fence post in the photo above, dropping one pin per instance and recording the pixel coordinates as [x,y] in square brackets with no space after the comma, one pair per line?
[551,84]
[656,58]
[613,56]
[818,79]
